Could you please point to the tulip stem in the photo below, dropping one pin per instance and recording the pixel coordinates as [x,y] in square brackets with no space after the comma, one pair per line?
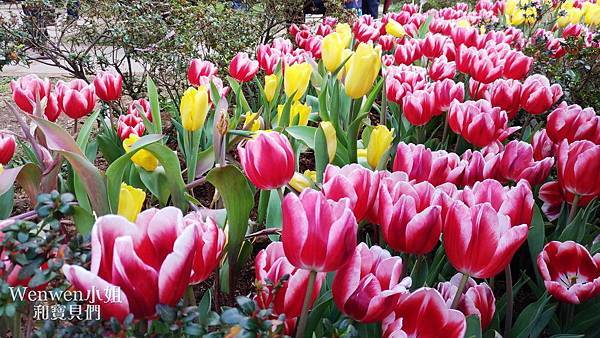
[573,211]
[307,297]
[445,133]
[280,193]
[461,287]
[189,299]
[509,302]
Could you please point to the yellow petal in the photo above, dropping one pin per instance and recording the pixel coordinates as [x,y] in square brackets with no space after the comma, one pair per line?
[131,201]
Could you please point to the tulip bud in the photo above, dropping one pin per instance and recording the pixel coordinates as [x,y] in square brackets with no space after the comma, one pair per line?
[299,113]
[578,167]
[242,68]
[345,32]
[256,124]
[271,83]
[75,98]
[198,69]
[7,148]
[296,79]
[300,182]
[142,157]
[330,138]
[130,124]
[108,86]
[193,108]
[332,49]
[363,68]
[379,142]
[395,29]
[29,88]
[131,201]
[145,107]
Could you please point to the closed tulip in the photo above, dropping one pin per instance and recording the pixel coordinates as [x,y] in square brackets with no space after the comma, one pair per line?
[409,220]
[395,29]
[380,141]
[569,272]
[354,182]
[506,94]
[572,123]
[387,43]
[419,106]
[478,122]
[193,108]
[317,234]
[433,45]
[516,65]
[300,181]
[211,241]
[345,32]
[369,285]
[131,201]
[144,104]
[142,157]
[147,263]
[268,58]
[130,124]
[7,148]
[578,167]
[441,69]
[446,92]
[475,300]
[270,266]
[543,146]
[363,68]
[108,86]
[256,121]
[484,69]
[28,89]
[242,68]
[591,14]
[271,84]
[296,79]
[332,49]
[424,313]
[408,52]
[422,164]
[299,113]
[330,139]
[75,98]
[516,162]
[198,69]
[537,95]
[479,241]
[268,160]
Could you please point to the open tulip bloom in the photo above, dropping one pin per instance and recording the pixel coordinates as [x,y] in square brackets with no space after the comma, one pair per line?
[383,177]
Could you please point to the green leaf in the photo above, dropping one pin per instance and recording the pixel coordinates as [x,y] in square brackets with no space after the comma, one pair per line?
[84,134]
[473,327]
[536,237]
[238,199]
[156,182]
[305,134]
[84,220]
[205,303]
[284,120]
[28,176]
[529,317]
[373,95]
[317,313]
[6,203]
[321,155]
[154,104]
[273,212]
[424,27]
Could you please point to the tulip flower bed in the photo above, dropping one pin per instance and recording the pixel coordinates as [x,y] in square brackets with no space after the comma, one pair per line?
[408,176]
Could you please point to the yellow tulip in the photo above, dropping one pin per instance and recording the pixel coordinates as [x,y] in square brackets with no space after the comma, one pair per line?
[271,82]
[510,7]
[395,29]
[1,169]
[142,157]
[332,49]
[194,108]
[463,23]
[297,109]
[296,79]
[300,182]
[255,125]
[346,53]
[330,138]
[363,68]
[379,142]
[131,201]
[311,174]
[591,14]
[361,154]
[571,15]
[345,32]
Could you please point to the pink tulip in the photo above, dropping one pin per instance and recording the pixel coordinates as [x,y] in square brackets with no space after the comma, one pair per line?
[144,104]
[553,195]
[422,164]
[409,220]
[200,68]
[476,299]
[516,65]
[419,106]
[108,86]
[150,262]
[268,160]
[268,58]
[130,124]
[446,92]
[475,168]
[242,68]
[573,123]
[570,273]
[543,146]
[270,266]
[578,167]
[478,90]
[479,241]
[408,52]
[354,182]
[516,162]
[283,45]
[515,202]
[478,122]
[483,69]
[441,69]
[75,98]
[537,95]
[506,95]
[369,285]
[468,36]
[464,58]
[211,242]
[317,234]
[424,313]
[28,89]
[433,45]
[7,148]
[387,42]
